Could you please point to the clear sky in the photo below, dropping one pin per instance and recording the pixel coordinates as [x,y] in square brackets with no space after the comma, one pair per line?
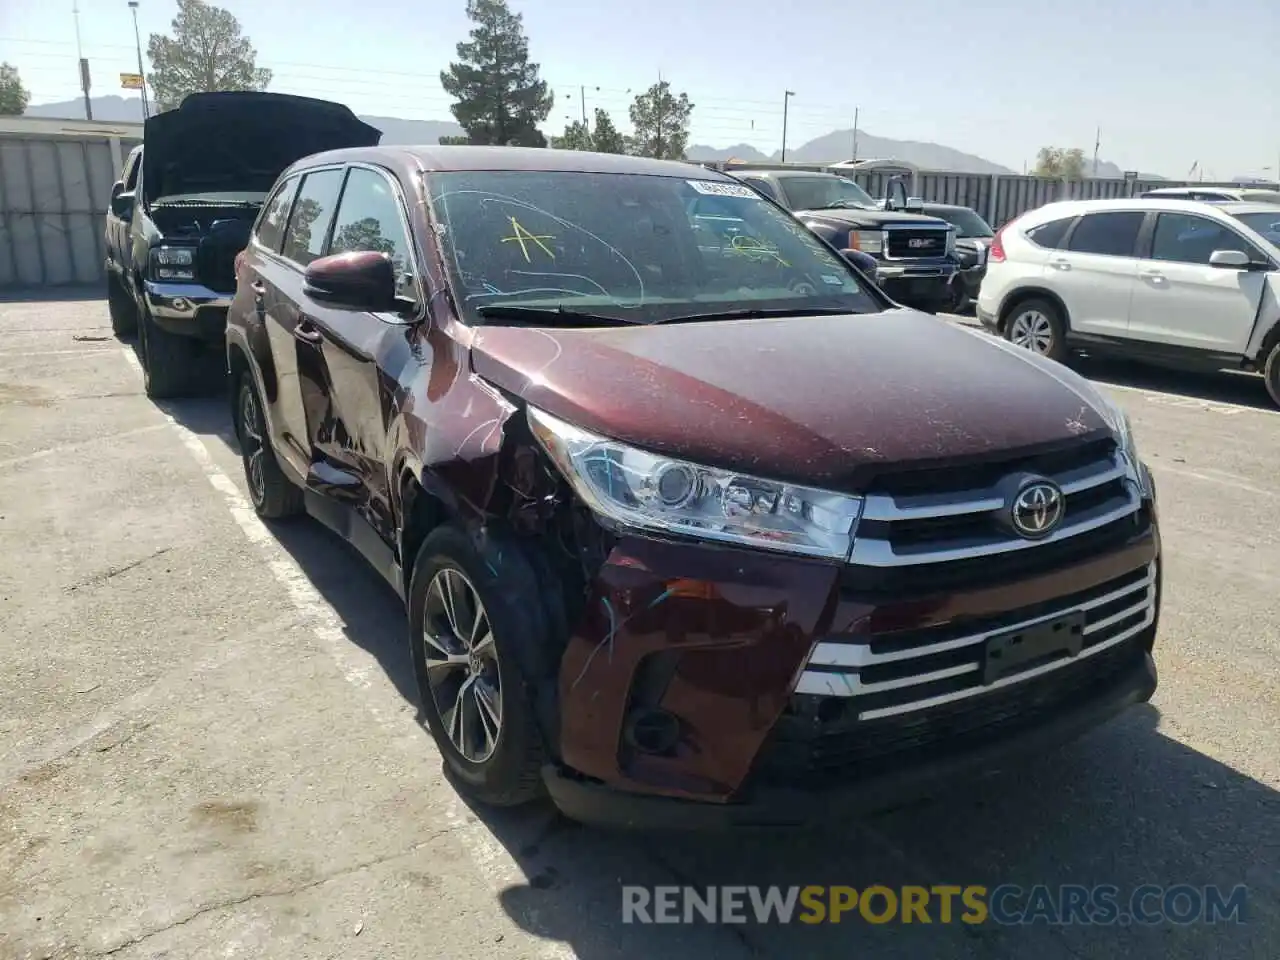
[1170,82]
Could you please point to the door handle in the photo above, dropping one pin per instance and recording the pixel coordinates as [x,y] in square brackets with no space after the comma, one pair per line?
[1060,264]
[258,288]
[1155,276]
[305,332]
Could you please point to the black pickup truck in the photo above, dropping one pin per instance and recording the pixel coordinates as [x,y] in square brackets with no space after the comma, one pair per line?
[915,254]
[184,208]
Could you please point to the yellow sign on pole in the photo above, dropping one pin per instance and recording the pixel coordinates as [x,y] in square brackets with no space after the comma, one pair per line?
[130,81]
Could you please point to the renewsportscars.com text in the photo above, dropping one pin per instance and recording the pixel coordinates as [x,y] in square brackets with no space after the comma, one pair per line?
[1008,905]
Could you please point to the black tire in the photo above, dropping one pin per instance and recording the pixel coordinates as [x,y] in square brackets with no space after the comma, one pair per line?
[1271,373]
[170,363]
[273,495]
[124,312]
[507,587]
[960,299]
[1037,325]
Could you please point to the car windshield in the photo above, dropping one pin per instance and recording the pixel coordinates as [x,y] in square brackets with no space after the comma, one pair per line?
[629,248]
[966,222]
[1267,224]
[823,192]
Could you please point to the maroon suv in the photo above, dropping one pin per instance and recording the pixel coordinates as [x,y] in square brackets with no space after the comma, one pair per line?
[693,527]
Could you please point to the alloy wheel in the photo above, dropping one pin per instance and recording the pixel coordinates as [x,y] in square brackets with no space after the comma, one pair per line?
[1033,331]
[251,445]
[462,665]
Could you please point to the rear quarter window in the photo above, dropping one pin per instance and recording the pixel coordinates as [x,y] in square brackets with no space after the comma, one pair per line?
[275,213]
[1049,235]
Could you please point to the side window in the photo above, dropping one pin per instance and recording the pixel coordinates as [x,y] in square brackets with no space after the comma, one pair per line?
[275,212]
[1186,238]
[1049,235]
[1112,234]
[131,168]
[762,186]
[369,218]
[309,221]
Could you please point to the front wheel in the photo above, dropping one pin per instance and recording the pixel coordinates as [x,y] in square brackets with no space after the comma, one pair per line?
[170,365]
[475,633]
[1036,325]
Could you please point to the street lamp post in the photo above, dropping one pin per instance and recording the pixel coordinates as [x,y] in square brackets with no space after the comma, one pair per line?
[137,39]
[786,99]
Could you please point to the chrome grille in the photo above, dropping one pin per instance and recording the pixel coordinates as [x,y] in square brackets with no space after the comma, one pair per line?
[925,528]
[914,242]
[901,672]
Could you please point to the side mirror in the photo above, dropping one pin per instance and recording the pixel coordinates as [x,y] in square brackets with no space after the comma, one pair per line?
[914,205]
[862,261]
[1229,259]
[122,205]
[360,280]
[117,188]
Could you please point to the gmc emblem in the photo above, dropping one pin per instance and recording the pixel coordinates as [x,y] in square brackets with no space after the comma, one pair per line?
[915,243]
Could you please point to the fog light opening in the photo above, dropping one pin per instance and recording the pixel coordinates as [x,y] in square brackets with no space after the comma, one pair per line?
[651,731]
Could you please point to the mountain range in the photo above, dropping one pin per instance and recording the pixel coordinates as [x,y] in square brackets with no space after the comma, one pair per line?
[829,148]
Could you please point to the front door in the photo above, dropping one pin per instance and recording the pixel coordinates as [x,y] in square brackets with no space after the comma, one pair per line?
[1096,273]
[1181,301]
[355,347]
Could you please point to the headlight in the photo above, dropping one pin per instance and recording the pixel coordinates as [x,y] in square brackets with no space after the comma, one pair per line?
[951,241]
[868,241]
[1129,449]
[637,489]
[173,263]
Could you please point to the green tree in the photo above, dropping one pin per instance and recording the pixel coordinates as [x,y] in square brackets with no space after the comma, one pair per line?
[14,97]
[461,141]
[606,138]
[500,97]
[576,137]
[1058,163]
[207,52]
[661,122]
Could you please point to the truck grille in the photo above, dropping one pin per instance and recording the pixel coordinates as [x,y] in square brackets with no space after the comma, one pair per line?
[914,243]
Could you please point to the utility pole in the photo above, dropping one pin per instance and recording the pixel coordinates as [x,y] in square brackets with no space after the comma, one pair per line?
[84,64]
[582,94]
[854,158]
[786,99]
[137,39]
[1097,142]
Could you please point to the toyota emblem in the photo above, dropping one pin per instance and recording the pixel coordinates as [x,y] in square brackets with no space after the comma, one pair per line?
[1037,509]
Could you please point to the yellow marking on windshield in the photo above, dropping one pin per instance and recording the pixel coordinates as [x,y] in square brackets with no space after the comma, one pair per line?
[753,247]
[520,235]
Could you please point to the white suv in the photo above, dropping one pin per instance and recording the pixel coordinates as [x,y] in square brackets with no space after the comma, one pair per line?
[1177,281]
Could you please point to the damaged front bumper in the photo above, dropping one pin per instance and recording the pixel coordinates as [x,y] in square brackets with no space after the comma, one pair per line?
[686,702]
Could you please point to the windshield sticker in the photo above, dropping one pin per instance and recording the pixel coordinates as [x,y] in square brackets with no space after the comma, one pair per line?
[521,235]
[714,188]
[833,281]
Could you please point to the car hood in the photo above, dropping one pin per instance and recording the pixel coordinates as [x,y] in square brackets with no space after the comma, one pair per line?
[871,218]
[241,141]
[828,400]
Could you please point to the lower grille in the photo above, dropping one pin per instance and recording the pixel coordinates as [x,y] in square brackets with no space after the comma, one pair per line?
[891,674]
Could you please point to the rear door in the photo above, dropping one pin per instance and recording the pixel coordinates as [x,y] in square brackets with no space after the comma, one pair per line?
[119,249]
[1181,301]
[302,383]
[1095,272]
[355,347]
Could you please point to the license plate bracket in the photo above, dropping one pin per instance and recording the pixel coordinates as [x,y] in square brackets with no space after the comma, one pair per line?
[1016,649]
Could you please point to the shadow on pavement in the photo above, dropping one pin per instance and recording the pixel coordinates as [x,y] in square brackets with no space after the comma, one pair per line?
[75,293]
[1243,389]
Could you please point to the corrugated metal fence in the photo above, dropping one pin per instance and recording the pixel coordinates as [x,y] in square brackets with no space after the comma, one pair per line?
[56,177]
[54,192]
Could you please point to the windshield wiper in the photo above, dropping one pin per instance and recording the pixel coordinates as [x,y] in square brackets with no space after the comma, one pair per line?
[552,316]
[843,205]
[757,313]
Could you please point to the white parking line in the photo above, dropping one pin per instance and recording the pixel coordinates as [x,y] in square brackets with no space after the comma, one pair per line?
[492,860]
[76,445]
[1209,475]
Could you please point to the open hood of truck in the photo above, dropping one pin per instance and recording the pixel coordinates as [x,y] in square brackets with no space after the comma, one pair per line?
[240,142]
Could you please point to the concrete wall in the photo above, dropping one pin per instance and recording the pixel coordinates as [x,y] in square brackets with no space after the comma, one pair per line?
[55,184]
